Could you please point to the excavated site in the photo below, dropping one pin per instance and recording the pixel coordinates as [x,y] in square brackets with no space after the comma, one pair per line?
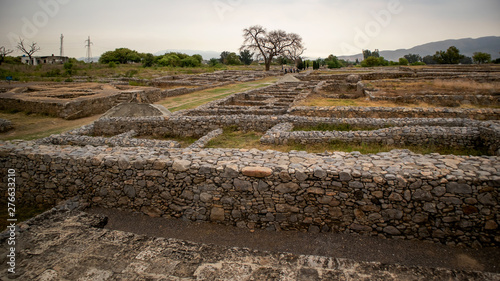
[449,201]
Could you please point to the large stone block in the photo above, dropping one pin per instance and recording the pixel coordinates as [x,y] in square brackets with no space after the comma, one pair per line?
[257,172]
[217,214]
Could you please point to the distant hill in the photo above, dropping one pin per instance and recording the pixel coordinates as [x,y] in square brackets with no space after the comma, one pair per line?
[207,55]
[467,46]
[94,59]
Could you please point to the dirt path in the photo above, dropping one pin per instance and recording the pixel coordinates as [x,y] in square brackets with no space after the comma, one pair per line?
[198,98]
[359,248]
[34,126]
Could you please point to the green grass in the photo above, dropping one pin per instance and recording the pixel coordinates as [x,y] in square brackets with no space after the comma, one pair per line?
[35,126]
[195,99]
[232,138]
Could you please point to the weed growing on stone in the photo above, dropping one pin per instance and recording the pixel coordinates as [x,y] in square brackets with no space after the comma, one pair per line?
[232,138]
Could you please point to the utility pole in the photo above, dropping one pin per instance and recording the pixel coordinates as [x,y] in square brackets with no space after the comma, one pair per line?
[61,51]
[89,52]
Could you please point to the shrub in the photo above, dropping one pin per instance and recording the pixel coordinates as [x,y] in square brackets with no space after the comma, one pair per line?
[403,61]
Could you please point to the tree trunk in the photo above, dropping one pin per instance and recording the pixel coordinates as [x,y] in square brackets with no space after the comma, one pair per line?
[268,65]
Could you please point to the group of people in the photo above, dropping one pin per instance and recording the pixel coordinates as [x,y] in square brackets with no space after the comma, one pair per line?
[289,70]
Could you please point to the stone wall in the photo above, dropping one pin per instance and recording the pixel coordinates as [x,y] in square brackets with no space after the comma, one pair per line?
[123,140]
[447,199]
[198,126]
[442,100]
[71,109]
[415,135]
[395,112]
[5,125]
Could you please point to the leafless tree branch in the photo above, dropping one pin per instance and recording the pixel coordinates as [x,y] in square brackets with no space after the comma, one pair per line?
[271,44]
[28,50]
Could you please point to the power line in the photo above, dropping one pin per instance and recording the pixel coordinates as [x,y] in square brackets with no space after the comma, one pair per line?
[89,52]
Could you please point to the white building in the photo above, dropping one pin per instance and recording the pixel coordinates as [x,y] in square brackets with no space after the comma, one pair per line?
[44,60]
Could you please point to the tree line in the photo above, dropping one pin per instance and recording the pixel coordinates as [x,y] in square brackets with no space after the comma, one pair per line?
[451,56]
[271,47]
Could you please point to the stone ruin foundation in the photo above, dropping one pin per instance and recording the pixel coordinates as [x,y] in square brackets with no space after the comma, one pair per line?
[399,194]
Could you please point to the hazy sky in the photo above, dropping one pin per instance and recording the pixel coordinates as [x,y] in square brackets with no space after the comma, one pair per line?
[338,27]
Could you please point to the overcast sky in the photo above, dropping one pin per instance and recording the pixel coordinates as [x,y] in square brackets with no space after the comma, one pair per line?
[338,27]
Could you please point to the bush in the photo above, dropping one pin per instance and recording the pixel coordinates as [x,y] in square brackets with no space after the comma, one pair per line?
[190,62]
[52,73]
[112,64]
[370,62]
[403,61]
[131,73]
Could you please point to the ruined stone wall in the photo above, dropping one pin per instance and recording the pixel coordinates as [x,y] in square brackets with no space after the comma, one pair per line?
[73,109]
[414,135]
[198,126]
[445,100]
[395,112]
[5,125]
[447,199]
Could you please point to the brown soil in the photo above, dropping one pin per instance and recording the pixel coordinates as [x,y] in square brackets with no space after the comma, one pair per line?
[359,248]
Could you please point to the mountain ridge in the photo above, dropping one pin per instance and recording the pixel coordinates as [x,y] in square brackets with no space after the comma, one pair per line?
[467,46]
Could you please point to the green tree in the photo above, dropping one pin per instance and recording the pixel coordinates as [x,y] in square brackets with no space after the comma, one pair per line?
[271,44]
[170,59]
[246,57]
[370,62]
[480,58]
[190,62]
[223,57]
[214,62]
[69,68]
[148,60]
[403,61]
[333,62]
[466,60]
[120,55]
[233,59]
[413,58]
[451,56]
[429,60]
[198,57]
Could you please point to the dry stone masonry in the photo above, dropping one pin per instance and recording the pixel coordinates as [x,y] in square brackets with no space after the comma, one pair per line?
[447,199]
[5,125]
[117,255]
[439,198]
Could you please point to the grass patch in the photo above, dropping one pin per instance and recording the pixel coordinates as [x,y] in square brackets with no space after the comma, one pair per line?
[232,138]
[361,102]
[35,126]
[195,99]
[23,213]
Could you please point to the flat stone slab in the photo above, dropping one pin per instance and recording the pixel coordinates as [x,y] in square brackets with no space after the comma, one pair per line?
[257,172]
[62,245]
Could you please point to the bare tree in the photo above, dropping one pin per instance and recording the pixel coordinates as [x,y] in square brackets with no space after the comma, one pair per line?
[28,50]
[3,53]
[271,44]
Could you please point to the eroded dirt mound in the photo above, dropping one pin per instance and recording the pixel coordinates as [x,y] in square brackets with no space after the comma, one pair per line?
[137,110]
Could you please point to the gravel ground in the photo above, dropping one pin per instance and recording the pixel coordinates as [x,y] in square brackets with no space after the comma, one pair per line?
[409,253]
